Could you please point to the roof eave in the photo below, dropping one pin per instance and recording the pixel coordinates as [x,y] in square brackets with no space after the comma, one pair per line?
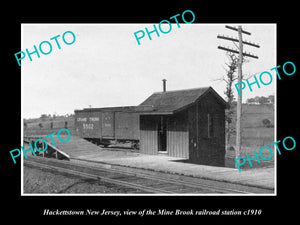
[158,113]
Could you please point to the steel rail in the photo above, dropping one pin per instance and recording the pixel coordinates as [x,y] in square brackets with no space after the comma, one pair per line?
[176,181]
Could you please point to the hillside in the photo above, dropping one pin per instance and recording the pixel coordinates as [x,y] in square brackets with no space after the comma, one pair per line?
[255,133]
[48,126]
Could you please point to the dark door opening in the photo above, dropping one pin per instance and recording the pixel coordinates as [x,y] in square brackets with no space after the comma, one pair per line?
[162,134]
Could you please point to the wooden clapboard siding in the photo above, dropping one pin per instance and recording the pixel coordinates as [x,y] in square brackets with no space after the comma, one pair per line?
[148,142]
[148,135]
[177,144]
[204,149]
[177,135]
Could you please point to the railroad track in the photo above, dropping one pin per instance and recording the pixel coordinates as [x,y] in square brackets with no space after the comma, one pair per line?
[140,181]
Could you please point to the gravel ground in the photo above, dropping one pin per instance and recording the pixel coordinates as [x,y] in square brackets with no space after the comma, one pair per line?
[39,181]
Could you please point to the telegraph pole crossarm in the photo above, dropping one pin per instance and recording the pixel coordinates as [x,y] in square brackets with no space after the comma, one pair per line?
[235,51]
[236,40]
[236,29]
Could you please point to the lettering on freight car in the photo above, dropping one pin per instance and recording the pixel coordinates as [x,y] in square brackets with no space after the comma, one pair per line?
[93,119]
[81,119]
[88,126]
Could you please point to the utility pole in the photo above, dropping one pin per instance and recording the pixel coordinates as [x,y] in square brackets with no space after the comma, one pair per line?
[239,100]
[240,77]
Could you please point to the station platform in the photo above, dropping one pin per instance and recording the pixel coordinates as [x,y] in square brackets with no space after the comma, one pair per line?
[256,177]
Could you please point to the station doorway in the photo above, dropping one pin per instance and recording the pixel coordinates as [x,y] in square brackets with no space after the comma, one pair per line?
[162,134]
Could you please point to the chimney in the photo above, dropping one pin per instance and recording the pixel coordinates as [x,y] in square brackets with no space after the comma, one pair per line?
[164,85]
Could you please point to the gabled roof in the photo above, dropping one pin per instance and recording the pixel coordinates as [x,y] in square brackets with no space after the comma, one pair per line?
[170,102]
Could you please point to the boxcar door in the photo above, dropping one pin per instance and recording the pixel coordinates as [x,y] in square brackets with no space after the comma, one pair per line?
[108,124]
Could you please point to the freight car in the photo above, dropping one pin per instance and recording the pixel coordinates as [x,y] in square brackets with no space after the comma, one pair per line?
[104,126]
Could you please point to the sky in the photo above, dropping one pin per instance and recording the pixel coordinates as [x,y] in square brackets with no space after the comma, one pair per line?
[106,67]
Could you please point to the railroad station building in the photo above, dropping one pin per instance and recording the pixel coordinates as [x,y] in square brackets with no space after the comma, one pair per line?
[187,124]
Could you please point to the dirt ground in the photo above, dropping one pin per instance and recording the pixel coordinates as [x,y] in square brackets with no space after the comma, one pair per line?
[38,181]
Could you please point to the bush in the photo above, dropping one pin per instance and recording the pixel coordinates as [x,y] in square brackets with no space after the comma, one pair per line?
[231,148]
[266,123]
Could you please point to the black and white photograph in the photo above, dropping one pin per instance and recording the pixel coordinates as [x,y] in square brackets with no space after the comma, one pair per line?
[149,116]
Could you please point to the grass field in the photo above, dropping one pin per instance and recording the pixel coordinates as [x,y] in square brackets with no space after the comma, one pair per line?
[254,134]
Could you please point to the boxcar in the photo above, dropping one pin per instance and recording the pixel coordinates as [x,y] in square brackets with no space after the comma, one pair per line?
[104,125]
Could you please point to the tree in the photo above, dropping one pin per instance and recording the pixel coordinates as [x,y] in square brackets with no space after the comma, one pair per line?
[229,78]
[263,100]
[44,117]
[250,100]
[271,99]
[256,99]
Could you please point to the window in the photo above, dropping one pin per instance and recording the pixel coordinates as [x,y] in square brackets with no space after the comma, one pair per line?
[210,125]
